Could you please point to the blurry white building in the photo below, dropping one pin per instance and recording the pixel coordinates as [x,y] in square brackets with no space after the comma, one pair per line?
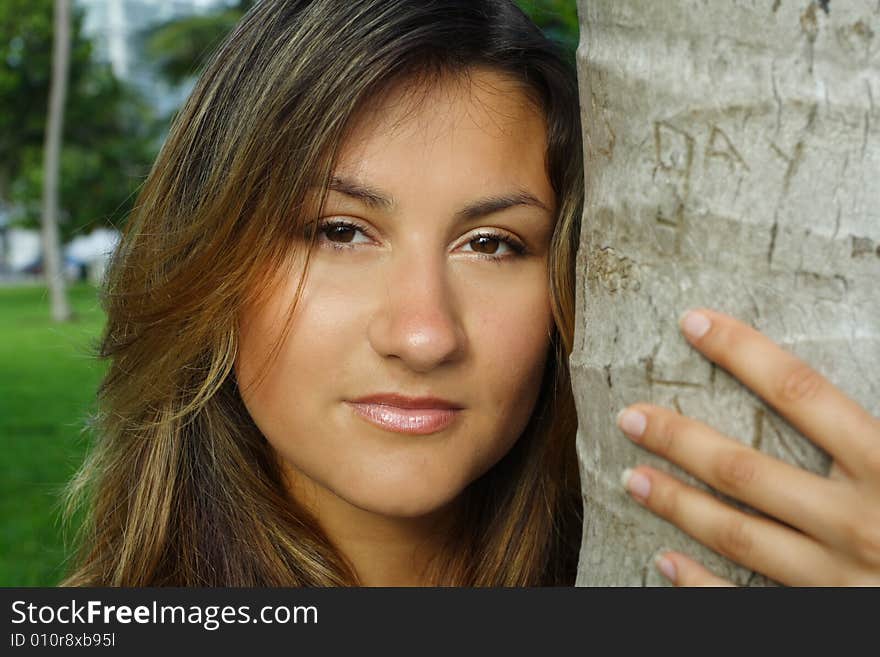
[93,251]
[115,27]
[24,247]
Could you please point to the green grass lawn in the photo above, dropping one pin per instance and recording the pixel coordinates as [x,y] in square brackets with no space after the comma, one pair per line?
[47,388]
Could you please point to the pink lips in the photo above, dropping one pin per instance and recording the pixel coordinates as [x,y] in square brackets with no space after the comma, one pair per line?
[410,415]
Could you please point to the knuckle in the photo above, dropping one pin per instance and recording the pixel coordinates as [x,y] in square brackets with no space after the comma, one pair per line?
[841,579]
[735,540]
[872,461]
[801,383]
[865,536]
[664,435]
[837,575]
[689,577]
[665,501]
[726,342]
[847,576]
[736,470]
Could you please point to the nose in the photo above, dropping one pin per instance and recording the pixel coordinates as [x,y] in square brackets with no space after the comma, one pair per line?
[417,321]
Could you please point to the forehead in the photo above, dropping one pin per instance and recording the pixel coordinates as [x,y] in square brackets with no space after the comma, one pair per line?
[478,120]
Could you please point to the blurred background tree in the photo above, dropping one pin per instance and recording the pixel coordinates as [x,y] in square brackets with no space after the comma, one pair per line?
[109,136]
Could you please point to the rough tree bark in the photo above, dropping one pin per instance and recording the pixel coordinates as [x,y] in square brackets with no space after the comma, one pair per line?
[51,162]
[733,161]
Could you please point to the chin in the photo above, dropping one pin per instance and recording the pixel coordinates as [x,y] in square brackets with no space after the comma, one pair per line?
[404,497]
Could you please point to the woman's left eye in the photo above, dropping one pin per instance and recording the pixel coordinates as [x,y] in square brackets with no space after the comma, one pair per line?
[488,244]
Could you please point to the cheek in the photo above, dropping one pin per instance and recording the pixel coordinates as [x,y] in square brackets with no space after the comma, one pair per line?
[277,379]
[514,334]
[518,337]
[510,348]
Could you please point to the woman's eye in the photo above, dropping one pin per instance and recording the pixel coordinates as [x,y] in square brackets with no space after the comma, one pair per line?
[495,245]
[341,233]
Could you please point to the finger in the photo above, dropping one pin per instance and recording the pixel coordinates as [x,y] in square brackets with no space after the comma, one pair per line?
[783,554]
[798,498]
[684,571]
[803,396]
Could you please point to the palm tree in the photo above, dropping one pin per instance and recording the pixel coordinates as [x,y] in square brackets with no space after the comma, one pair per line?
[51,164]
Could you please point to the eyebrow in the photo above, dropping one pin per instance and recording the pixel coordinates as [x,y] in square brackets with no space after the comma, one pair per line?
[368,196]
[379,200]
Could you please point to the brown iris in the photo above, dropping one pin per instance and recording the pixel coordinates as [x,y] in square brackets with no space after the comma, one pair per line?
[345,232]
[482,241]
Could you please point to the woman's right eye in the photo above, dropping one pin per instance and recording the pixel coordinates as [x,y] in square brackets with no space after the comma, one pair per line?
[340,234]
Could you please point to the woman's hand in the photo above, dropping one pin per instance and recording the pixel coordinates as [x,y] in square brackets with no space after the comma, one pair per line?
[818,531]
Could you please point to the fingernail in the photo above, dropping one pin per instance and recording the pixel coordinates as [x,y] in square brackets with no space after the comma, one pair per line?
[666,567]
[636,483]
[632,422]
[695,324]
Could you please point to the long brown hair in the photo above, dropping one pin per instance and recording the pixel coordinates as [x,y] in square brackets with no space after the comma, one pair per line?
[181,488]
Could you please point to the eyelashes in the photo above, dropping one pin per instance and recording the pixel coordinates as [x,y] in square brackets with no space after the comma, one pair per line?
[341,228]
[325,227]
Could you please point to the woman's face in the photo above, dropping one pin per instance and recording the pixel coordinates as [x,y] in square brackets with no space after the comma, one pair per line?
[417,287]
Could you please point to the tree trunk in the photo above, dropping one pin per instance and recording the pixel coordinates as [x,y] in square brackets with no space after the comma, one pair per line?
[732,156]
[52,266]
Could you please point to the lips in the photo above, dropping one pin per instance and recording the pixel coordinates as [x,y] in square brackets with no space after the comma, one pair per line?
[411,415]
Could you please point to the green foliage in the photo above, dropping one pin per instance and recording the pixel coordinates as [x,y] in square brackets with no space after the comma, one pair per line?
[109,134]
[557,18]
[181,47]
[25,66]
[48,386]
